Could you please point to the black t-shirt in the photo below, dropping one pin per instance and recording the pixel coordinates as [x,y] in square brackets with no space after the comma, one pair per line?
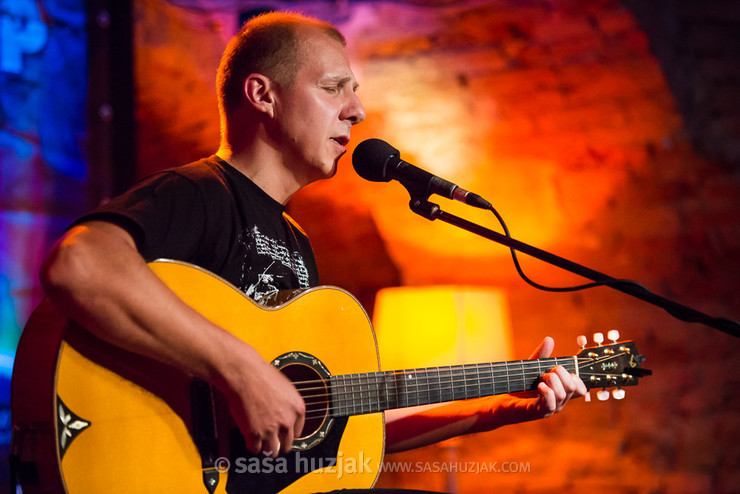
[209,214]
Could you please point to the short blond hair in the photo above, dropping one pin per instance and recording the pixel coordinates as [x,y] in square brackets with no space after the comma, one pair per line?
[268,44]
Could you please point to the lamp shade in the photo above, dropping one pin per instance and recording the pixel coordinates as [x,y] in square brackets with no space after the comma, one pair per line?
[441,325]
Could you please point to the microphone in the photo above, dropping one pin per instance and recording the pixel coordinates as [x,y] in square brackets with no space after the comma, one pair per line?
[378,161]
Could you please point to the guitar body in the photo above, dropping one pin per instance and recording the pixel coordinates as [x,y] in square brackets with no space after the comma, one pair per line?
[92,418]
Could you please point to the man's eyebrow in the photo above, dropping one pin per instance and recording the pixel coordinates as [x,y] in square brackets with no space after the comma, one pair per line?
[340,81]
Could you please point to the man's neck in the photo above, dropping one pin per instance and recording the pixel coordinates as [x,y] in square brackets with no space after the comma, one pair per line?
[262,165]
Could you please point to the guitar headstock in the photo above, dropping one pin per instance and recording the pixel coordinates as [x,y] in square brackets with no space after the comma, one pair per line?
[610,366]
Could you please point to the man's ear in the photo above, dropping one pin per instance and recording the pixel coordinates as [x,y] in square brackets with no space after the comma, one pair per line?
[259,92]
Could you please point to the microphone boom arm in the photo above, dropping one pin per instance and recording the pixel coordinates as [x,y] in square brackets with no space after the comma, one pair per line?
[433,212]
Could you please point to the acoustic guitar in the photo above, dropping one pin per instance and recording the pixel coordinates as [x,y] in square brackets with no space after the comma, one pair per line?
[89,417]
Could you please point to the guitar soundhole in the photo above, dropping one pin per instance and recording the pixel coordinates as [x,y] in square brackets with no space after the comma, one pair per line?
[315,393]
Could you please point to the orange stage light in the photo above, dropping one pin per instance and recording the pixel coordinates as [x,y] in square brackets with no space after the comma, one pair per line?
[441,325]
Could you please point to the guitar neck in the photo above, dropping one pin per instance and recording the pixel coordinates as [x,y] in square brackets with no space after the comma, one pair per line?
[356,394]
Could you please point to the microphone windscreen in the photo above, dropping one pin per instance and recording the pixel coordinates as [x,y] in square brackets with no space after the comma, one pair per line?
[370,159]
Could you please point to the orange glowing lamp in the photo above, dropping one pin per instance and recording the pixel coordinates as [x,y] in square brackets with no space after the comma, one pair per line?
[441,325]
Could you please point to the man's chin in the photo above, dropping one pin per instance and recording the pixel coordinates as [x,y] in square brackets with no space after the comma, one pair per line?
[324,173]
[329,172]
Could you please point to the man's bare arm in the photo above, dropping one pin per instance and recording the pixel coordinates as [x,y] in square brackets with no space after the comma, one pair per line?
[95,275]
[432,424]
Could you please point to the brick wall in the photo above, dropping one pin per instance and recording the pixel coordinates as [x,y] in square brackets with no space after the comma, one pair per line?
[560,114]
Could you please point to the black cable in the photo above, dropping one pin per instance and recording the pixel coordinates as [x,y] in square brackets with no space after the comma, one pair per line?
[613,282]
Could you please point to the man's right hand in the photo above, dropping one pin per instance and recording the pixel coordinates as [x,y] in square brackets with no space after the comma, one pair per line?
[265,405]
[95,276]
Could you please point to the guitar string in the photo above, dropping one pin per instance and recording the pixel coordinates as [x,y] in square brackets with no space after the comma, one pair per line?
[351,399]
[343,390]
[424,388]
[362,379]
[355,408]
[507,366]
[484,370]
[456,371]
[320,412]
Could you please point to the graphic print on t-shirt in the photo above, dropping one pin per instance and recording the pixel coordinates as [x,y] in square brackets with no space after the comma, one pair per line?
[272,263]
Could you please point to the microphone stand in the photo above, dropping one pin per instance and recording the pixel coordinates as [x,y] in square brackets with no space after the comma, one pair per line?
[433,212]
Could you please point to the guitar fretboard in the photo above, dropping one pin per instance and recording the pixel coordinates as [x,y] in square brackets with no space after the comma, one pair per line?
[356,394]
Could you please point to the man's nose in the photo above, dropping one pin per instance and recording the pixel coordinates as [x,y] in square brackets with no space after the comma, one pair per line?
[354,111]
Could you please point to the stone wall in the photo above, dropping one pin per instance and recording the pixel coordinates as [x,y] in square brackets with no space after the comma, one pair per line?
[560,113]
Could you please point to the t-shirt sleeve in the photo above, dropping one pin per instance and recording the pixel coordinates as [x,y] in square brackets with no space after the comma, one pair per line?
[165,215]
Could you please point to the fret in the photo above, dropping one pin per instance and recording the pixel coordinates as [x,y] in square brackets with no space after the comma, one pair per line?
[533,377]
[412,387]
[508,378]
[464,383]
[378,391]
[484,388]
[342,396]
[499,379]
[384,398]
[458,392]
[516,376]
[353,394]
[399,384]
[362,380]
[565,362]
[440,390]
[356,394]
[539,367]
[434,385]
[363,392]
[388,393]
[371,392]
[472,385]
[409,387]
[337,392]
[393,391]
[445,384]
[337,396]
[488,381]
[424,392]
[403,392]
[525,378]
[375,388]
[390,386]
[347,395]
[334,404]
[422,387]
[477,382]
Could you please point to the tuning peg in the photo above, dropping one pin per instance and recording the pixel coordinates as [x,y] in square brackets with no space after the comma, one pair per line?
[599,338]
[603,395]
[613,335]
[618,394]
[581,341]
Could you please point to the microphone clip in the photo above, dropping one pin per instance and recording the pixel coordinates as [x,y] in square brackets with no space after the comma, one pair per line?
[423,207]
